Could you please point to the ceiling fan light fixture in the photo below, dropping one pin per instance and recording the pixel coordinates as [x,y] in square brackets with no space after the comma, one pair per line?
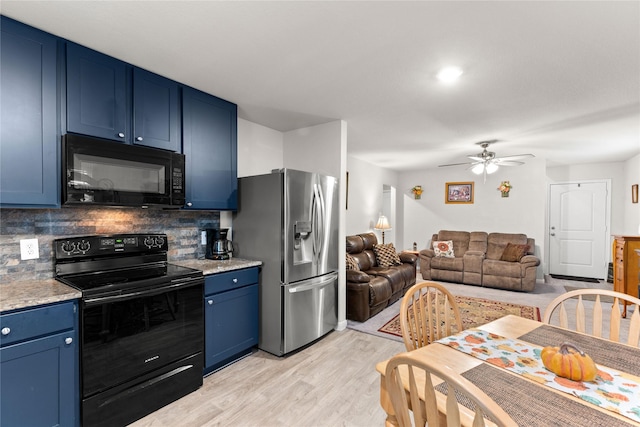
[491,167]
[449,75]
[478,169]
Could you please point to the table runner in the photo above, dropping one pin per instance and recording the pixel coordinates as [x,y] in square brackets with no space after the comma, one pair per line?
[530,405]
[603,352]
[612,390]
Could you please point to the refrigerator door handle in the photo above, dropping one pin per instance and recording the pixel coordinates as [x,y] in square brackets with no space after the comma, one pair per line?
[307,285]
[318,219]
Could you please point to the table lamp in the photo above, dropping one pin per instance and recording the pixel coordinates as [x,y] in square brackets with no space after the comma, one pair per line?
[383,224]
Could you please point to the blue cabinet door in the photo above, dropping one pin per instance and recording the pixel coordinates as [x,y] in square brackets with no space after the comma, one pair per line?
[231,325]
[156,107]
[39,382]
[97,101]
[210,144]
[28,125]
[39,366]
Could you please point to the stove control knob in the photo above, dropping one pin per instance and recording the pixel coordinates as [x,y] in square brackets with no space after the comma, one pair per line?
[6,331]
[68,247]
[148,242]
[84,246]
[159,241]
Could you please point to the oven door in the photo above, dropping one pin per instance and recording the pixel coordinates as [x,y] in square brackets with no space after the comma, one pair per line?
[127,336]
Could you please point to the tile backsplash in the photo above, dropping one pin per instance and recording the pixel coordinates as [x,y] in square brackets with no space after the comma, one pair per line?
[182,229]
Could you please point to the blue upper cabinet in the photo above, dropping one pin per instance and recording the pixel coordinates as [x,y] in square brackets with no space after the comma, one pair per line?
[111,99]
[209,142]
[28,117]
[97,103]
[156,111]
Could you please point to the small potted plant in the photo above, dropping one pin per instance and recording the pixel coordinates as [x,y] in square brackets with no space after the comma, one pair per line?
[504,188]
[417,191]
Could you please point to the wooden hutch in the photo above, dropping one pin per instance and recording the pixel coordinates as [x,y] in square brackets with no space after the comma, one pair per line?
[626,266]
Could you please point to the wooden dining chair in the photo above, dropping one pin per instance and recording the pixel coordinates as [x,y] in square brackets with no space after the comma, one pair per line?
[428,312]
[575,300]
[411,384]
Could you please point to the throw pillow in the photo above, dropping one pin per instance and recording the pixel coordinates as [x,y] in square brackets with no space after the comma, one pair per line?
[386,255]
[514,253]
[444,248]
[352,263]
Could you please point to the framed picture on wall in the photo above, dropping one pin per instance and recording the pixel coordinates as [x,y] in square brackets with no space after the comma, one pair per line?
[458,192]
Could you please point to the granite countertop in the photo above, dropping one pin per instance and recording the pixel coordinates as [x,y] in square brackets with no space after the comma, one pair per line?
[31,293]
[209,266]
[25,294]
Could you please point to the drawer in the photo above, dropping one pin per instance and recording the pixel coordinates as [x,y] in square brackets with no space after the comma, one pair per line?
[36,322]
[221,282]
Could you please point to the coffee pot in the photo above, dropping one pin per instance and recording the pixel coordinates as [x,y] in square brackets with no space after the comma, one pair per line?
[218,246]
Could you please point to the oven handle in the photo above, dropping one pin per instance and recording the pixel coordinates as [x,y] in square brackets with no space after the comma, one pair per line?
[174,285]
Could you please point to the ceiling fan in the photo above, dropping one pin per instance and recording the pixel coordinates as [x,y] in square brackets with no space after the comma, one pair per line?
[487,163]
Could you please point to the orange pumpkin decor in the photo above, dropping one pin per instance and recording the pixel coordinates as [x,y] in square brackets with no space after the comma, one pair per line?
[570,362]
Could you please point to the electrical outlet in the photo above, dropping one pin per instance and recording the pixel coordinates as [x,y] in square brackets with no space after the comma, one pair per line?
[29,249]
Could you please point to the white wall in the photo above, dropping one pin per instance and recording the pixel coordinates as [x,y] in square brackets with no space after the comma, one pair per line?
[260,149]
[522,212]
[366,198]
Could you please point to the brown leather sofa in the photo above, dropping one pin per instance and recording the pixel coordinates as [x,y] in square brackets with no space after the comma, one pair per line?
[481,259]
[371,288]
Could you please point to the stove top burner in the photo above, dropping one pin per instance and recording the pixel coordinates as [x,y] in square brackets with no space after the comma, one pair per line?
[117,263]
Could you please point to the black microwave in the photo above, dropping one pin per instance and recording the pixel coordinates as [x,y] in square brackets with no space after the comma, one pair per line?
[102,172]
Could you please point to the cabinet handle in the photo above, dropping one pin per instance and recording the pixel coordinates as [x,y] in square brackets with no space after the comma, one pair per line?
[139,138]
[68,340]
[210,302]
[189,203]
[235,280]
[6,331]
[121,135]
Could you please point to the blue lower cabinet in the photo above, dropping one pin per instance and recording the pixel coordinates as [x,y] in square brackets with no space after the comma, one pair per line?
[39,373]
[231,318]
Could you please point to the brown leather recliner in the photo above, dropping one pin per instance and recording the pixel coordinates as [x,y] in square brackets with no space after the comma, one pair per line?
[372,288]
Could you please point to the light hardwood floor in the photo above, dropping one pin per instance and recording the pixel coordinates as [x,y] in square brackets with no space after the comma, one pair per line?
[331,383]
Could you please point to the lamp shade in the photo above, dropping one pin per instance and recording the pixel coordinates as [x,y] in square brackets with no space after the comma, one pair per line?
[383,223]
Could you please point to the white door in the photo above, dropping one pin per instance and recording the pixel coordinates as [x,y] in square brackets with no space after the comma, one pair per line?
[578,237]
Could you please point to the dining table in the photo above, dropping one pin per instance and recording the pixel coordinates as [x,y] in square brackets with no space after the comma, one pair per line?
[532,395]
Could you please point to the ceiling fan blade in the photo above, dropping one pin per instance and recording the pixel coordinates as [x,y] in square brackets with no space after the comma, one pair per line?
[508,163]
[516,157]
[456,164]
[476,158]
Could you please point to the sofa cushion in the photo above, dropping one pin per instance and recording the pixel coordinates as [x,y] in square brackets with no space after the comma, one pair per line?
[351,263]
[386,255]
[444,248]
[496,242]
[443,263]
[514,253]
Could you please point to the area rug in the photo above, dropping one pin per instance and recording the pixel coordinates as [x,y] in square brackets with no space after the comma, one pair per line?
[475,312]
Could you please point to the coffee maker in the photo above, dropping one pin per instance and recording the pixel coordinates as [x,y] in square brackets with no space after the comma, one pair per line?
[218,246]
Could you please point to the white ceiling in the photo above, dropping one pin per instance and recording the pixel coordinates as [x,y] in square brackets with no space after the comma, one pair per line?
[558,79]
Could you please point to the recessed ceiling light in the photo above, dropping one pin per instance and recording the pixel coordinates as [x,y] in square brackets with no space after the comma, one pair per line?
[449,74]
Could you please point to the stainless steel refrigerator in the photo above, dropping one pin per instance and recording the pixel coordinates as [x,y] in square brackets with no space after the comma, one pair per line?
[288,219]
